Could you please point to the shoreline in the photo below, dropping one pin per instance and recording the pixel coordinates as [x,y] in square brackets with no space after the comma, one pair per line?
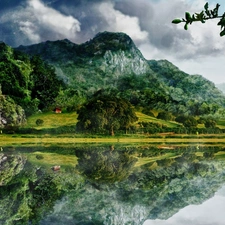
[14,140]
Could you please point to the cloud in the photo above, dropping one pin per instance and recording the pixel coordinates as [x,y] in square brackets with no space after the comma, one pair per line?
[39,22]
[119,22]
[147,22]
[210,212]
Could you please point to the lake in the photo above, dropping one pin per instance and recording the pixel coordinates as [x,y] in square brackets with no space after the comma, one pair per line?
[120,184]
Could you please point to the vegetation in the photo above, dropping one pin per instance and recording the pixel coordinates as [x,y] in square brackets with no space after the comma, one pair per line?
[106,113]
[31,192]
[10,112]
[31,83]
[150,84]
[104,94]
[203,16]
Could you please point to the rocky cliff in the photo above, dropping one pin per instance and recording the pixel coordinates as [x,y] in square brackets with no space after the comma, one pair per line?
[105,55]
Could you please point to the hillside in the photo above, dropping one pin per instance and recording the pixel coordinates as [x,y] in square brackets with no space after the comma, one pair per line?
[112,61]
[26,85]
[93,63]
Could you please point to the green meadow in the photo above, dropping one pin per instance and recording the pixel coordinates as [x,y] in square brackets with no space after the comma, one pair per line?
[53,122]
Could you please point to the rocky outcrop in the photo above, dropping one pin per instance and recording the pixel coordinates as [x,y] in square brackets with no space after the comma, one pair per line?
[107,54]
[10,112]
[10,166]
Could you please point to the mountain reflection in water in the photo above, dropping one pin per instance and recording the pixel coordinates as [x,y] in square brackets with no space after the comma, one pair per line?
[211,212]
[112,185]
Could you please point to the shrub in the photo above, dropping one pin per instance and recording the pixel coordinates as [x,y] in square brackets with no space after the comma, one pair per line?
[148,112]
[39,157]
[39,122]
[165,116]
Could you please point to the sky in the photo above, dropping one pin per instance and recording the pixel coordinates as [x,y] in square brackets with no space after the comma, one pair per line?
[200,50]
[210,212]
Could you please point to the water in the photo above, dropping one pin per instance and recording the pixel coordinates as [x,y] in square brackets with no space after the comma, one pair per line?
[112,185]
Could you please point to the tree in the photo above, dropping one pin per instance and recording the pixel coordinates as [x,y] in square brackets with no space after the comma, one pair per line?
[203,16]
[105,165]
[190,122]
[210,123]
[106,113]
[165,116]
[45,84]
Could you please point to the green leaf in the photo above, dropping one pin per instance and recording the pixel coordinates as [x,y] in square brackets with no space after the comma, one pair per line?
[186,26]
[221,22]
[176,21]
[222,33]
[206,6]
[188,16]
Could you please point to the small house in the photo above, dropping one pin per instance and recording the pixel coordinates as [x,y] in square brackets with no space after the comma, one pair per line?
[55,168]
[57,110]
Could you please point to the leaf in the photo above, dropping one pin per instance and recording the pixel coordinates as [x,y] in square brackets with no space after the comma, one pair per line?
[186,26]
[176,21]
[221,22]
[206,6]
[222,33]
[188,16]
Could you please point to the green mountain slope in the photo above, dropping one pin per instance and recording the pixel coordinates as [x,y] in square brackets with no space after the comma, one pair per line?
[112,61]
[94,63]
[25,84]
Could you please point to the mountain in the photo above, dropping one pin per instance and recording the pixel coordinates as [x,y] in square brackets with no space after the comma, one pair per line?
[112,61]
[96,61]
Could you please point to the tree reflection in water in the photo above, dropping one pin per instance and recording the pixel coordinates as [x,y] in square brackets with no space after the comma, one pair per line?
[106,165]
[108,185]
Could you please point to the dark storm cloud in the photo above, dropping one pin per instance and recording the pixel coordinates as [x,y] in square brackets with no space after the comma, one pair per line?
[147,22]
[7,4]
[86,12]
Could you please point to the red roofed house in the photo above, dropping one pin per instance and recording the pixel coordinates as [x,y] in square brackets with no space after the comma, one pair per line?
[57,110]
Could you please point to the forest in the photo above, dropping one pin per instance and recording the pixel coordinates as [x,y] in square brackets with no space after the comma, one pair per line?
[77,78]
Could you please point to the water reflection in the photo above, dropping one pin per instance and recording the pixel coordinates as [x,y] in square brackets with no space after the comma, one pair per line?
[110,184]
[208,213]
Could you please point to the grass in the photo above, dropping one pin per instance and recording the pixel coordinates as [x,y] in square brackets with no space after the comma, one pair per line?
[145,118]
[145,160]
[58,121]
[51,159]
[221,124]
[52,120]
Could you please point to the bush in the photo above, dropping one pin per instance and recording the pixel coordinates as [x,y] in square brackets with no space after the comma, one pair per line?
[39,157]
[210,123]
[39,122]
[165,116]
[148,112]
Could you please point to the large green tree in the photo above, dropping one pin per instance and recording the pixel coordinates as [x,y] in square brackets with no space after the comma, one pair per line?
[46,85]
[106,113]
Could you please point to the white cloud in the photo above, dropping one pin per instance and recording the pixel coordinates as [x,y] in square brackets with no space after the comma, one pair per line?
[208,213]
[147,22]
[40,22]
[29,29]
[53,19]
[118,22]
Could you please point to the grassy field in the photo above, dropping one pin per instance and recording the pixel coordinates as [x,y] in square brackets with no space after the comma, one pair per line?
[221,124]
[145,118]
[52,120]
[47,159]
[57,121]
